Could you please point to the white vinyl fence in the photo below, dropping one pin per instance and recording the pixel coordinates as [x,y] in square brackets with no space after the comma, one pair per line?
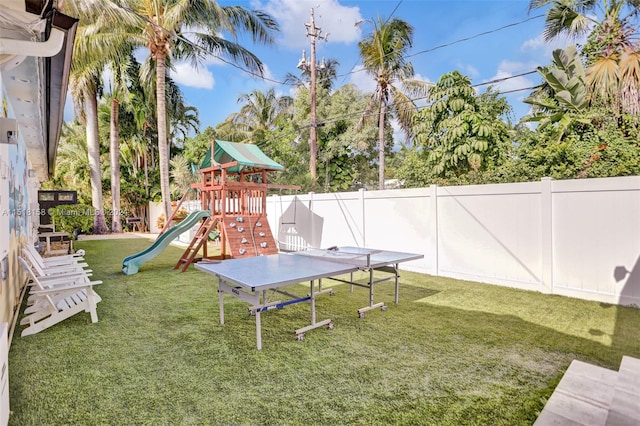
[578,238]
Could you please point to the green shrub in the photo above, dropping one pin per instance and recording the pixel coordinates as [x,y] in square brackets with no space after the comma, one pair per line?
[72,217]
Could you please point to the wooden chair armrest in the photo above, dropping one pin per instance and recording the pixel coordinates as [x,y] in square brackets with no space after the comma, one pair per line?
[62,288]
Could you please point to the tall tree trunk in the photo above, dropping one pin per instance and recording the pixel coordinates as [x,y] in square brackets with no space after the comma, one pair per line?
[116,226]
[383,112]
[93,149]
[146,175]
[163,148]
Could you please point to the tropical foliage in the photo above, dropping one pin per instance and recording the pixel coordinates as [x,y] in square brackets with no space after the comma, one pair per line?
[612,52]
[136,138]
[460,132]
[562,100]
[159,26]
[260,112]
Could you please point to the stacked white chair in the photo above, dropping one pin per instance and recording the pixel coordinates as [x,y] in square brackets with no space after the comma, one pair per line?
[43,267]
[59,289]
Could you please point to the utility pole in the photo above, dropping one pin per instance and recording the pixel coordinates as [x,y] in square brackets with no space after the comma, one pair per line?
[313,32]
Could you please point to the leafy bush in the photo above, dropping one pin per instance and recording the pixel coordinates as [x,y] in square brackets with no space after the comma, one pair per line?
[73,217]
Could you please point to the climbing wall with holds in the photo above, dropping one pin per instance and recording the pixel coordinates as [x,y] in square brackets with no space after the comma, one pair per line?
[248,236]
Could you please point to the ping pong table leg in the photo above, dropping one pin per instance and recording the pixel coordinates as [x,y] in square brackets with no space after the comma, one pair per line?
[258,330]
[313,303]
[300,332]
[395,270]
[370,287]
[372,305]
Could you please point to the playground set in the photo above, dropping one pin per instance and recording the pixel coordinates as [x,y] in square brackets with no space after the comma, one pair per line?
[233,195]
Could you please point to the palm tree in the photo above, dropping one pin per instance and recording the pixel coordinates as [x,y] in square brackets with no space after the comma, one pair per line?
[383,53]
[612,49]
[183,119]
[85,83]
[163,26]
[72,159]
[326,73]
[260,112]
[95,48]
[123,73]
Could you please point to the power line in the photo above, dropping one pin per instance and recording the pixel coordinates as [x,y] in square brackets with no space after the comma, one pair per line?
[498,80]
[501,79]
[389,17]
[394,11]
[254,74]
[475,36]
[352,71]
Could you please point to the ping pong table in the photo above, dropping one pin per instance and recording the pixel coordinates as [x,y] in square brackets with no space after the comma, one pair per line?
[251,279]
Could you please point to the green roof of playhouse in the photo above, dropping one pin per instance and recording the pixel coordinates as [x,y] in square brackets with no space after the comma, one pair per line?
[247,156]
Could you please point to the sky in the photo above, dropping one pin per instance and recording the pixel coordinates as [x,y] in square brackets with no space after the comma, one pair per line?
[485,40]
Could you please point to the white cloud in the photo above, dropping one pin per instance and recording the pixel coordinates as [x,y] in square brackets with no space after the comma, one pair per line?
[468,69]
[333,18]
[269,79]
[418,76]
[361,79]
[186,75]
[471,71]
[540,46]
[506,70]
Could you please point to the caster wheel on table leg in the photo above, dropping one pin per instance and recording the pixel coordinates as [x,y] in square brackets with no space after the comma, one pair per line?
[360,314]
[384,308]
[300,337]
[330,326]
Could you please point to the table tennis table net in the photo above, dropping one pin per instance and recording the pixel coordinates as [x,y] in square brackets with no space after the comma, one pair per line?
[359,260]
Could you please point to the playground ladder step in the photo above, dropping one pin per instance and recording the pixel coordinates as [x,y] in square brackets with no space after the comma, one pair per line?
[197,241]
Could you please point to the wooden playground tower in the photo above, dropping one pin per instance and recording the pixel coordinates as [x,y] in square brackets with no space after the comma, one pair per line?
[236,195]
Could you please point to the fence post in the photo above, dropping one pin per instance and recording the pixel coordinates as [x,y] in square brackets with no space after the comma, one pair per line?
[313,222]
[276,200]
[433,227]
[546,240]
[364,230]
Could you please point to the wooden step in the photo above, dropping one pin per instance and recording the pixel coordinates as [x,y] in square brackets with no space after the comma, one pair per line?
[198,240]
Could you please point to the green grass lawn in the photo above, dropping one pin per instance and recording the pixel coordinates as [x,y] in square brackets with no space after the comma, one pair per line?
[451,353]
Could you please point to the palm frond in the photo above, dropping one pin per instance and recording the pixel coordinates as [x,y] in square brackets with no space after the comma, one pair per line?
[603,77]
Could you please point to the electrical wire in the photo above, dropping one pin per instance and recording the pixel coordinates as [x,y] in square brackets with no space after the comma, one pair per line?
[475,36]
[412,100]
[352,71]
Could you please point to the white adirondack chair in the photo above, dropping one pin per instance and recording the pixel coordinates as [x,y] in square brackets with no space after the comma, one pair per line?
[53,265]
[51,276]
[64,258]
[51,304]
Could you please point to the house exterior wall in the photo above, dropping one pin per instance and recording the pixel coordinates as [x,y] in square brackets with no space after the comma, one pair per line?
[16,223]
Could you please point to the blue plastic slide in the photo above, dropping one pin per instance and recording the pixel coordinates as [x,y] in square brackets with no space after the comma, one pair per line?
[131,264]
